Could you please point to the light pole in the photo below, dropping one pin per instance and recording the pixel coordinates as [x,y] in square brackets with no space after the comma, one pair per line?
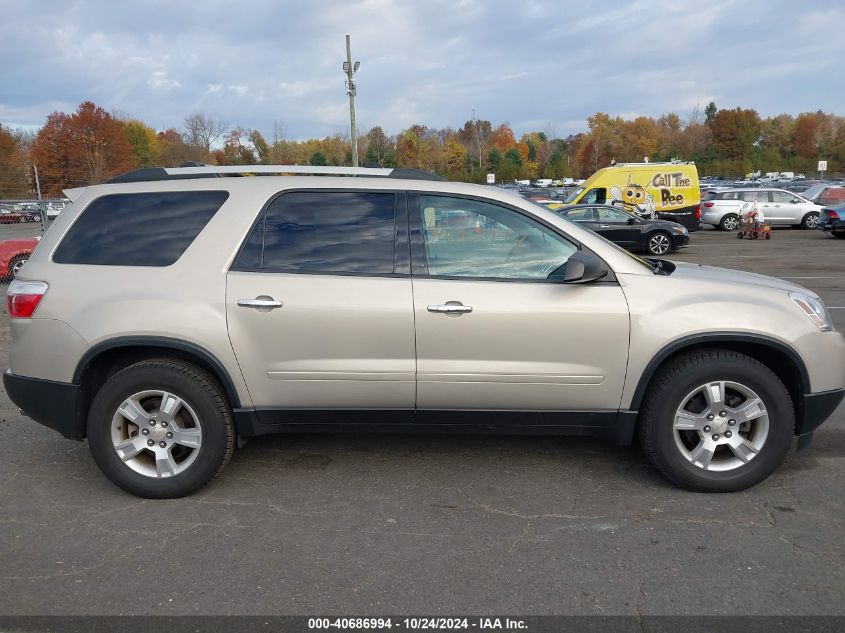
[350,69]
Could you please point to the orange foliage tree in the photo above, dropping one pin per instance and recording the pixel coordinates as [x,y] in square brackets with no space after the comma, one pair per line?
[83,148]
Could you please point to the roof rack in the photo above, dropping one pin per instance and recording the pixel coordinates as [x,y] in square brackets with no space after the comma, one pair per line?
[213,171]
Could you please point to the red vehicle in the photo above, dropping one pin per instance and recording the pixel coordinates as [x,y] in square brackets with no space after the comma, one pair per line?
[12,218]
[14,254]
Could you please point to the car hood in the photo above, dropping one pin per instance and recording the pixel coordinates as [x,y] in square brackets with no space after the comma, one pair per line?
[694,272]
[660,224]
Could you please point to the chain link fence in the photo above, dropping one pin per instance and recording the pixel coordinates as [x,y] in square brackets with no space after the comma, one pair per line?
[22,223]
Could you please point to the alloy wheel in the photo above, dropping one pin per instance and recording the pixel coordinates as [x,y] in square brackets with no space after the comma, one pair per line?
[156,433]
[720,426]
[659,244]
[17,266]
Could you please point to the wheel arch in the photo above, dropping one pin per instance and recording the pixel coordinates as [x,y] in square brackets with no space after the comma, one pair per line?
[108,357]
[784,361]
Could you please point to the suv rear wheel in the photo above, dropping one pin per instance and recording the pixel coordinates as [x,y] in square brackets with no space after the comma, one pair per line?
[716,421]
[730,222]
[160,428]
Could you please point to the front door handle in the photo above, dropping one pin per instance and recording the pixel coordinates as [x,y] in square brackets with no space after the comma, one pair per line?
[454,307]
[267,303]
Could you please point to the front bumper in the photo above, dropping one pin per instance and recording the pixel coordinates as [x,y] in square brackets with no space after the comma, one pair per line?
[679,241]
[53,404]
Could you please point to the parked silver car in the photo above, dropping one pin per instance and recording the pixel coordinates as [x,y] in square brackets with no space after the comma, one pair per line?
[722,208]
[166,315]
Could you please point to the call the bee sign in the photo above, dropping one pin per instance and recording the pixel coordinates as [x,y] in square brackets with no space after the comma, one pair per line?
[661,191]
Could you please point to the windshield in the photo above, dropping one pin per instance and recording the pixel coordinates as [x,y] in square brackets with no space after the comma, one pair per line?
[574,195]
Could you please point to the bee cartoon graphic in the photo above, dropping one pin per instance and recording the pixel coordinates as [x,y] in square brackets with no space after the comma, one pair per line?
[634,199]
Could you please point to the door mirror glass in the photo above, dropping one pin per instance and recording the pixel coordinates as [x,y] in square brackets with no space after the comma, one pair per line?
[583,267]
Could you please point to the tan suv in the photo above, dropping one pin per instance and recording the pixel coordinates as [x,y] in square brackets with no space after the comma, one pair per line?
[170,312]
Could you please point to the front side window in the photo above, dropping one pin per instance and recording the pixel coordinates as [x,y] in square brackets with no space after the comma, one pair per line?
[324,232]
[613,216]
[138,229]
[469,238]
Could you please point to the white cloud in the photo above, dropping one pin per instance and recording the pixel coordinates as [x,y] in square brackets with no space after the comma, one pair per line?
[429,62]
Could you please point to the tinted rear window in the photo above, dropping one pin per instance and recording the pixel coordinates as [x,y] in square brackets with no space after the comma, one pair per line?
[138,229]
[324,232]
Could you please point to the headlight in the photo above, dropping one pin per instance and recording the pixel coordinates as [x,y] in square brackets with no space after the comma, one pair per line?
[814,309]
[679,230]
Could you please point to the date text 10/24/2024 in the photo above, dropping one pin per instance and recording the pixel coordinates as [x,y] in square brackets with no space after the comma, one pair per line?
[416,624]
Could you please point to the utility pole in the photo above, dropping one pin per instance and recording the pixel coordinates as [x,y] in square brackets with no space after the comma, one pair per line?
[477,139]
[37,182]
[349,68]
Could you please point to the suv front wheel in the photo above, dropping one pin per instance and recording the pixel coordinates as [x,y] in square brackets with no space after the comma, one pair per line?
[160,428]
[716,421]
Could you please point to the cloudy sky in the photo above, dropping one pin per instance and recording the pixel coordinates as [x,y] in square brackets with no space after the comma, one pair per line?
[530,63]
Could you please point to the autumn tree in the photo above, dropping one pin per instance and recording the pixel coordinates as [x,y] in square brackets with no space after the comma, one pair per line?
[172,150]
[143,142]
[805,135]
[260,146]
[235,151]
[83,148]
[475,136]
[735,132]
[14,180]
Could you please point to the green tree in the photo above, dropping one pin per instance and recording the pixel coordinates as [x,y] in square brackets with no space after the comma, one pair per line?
[317,158]
[143,142]
[710,112]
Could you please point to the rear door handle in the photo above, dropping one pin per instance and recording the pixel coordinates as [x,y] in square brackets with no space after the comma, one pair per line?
[267,303]
[604,226]
[449,308]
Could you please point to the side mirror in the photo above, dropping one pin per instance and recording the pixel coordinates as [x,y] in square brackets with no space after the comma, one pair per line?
[583,267]
[632,220]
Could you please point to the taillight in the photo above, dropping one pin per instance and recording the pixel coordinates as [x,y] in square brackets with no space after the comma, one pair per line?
[698,211]
[709,204]
[831,214]
[23,297]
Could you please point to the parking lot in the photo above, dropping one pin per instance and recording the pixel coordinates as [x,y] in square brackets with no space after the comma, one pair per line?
[358,524]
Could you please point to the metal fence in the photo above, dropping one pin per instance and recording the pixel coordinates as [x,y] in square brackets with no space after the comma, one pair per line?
[22,223]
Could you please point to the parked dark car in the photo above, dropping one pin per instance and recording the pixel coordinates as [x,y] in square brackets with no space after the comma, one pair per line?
[832,220]
[656,237]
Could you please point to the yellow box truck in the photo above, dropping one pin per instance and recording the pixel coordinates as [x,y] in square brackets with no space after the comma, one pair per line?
[669,191]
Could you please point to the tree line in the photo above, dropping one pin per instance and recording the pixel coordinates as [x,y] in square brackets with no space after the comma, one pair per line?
[91,145]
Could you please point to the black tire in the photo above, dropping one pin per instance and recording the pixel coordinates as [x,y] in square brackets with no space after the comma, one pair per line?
[16,262]
[684,374]
[658,240]
[810,221]
[729,223]
[195,387]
